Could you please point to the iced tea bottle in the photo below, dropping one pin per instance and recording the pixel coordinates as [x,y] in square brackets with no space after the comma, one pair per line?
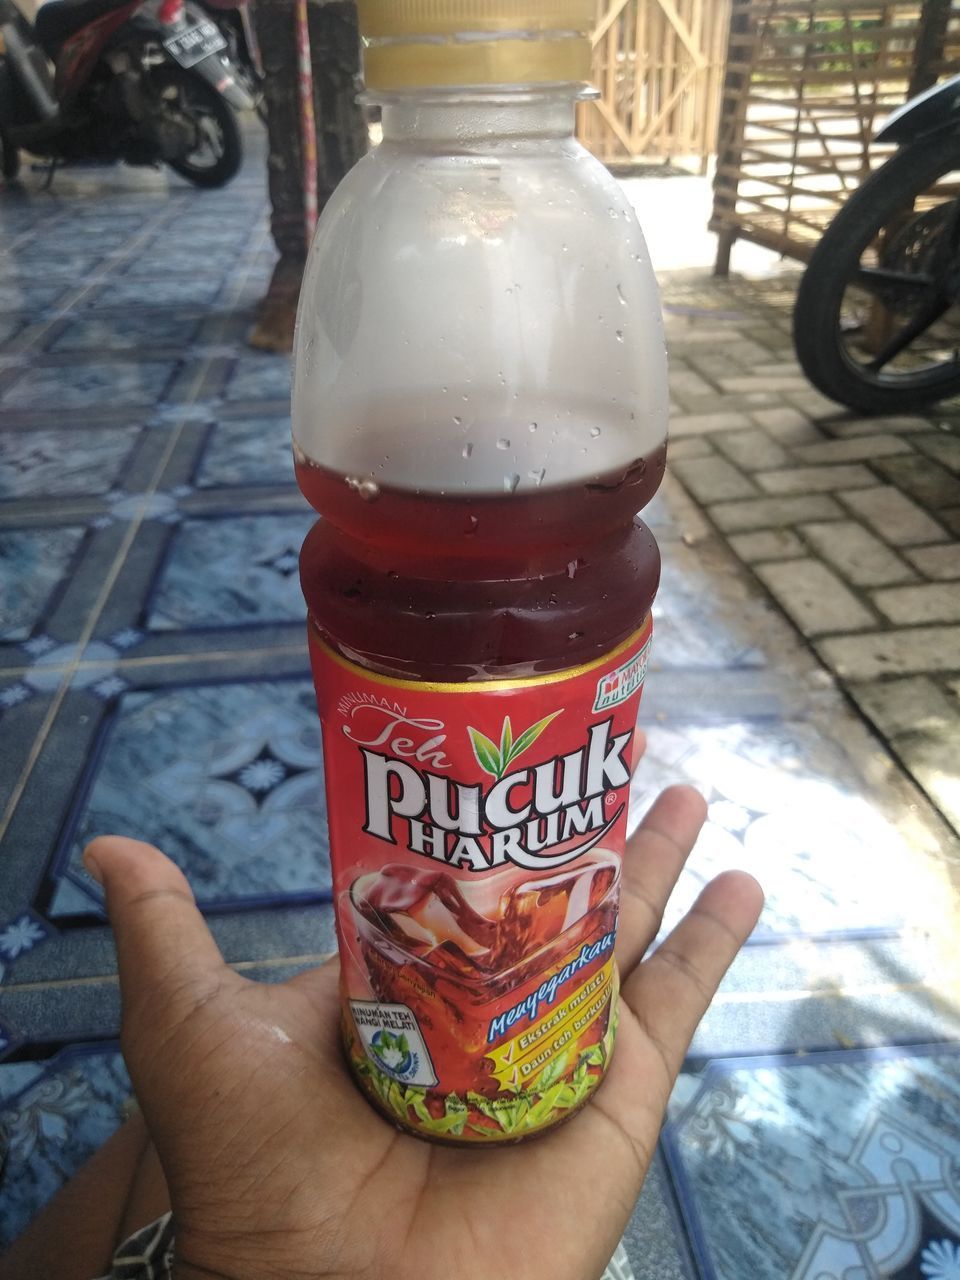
[479,412]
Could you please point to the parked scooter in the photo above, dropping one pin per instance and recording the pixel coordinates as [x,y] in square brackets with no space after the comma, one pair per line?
[876,325]
[145,82]
[235,20]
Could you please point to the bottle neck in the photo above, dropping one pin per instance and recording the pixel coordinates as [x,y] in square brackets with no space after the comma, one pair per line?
[468,117]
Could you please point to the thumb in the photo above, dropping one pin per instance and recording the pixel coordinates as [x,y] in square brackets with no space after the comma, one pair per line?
[166,955]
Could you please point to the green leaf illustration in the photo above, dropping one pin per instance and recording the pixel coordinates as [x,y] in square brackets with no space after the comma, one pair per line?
[506,740]
[402,1044]
[529,737]
[486,752]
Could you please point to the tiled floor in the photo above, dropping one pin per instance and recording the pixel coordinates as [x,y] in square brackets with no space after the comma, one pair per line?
[154,679]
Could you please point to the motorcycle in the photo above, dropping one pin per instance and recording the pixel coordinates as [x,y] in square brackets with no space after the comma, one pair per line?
[235,20]
[876,326]
[145,81]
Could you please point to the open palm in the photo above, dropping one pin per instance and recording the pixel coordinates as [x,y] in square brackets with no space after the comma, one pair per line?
[278,1168]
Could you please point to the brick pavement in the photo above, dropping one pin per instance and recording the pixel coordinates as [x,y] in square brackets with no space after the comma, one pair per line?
[851,524]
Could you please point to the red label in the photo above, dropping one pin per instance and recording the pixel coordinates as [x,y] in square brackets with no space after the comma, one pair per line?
[476,832]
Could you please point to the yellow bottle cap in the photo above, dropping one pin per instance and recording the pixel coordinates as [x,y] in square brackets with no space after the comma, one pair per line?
[413,44]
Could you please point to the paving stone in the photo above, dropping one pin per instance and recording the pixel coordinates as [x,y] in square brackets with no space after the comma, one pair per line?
[951,519]
[937,562]
[773,513]
[896,652]
[753,450]
[816,479]
[862,559]
[689,447]
[779,369]
[942,446]
[754,382]
[787,425]
[928,602]
[695,424]
[910,704]
[928,482]
[816,406]
[684,382]
[768,544]
[848,428]
[925,756]
[858,449]
[814,597]
[893,516]
[714,480]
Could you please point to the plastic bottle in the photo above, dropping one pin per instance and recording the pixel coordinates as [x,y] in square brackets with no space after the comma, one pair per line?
[479,411]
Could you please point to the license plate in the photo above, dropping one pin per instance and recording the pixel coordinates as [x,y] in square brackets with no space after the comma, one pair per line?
[189,47]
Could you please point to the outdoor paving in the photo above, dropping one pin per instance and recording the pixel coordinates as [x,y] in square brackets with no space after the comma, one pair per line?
[807,677]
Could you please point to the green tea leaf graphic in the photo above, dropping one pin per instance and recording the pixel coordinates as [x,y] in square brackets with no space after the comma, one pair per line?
[529,737]
[402,1044]
[486,752]
[506,739]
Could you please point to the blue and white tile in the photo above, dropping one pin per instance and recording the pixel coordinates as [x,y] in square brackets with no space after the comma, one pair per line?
[226,778]
[835,1166]
[87,385]
[785,805]
[32,563]
[231,572]
[262,377]
[28,295]
[129,292]
[144,329]
[53,462]
[246,451]
[53,1116]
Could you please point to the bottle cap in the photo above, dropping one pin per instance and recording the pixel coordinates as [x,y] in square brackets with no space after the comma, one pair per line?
[418,44]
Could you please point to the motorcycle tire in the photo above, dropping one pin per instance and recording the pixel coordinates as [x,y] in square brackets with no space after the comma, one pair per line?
[203,101]
[9,159]
[817,331]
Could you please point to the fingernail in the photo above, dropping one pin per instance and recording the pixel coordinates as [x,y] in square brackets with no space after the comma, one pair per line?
[92,866]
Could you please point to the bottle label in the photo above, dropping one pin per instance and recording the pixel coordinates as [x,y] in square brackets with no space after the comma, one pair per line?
[476,834]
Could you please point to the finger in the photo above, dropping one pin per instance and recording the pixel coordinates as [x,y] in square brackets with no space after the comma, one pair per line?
[652,863]
[669,993]
[164,948]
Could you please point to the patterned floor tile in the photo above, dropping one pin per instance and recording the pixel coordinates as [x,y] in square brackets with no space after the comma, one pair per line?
[833,1167]
[786,806]
[32,563]
[81,386]
[231,572]
[227,779]
[144,329]
[247,451]
[53,462]
[176,291]
[28,295]
[260,378]
[43,261]
[53,1116]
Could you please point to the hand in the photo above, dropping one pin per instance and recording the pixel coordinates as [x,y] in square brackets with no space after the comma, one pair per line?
[277,1167]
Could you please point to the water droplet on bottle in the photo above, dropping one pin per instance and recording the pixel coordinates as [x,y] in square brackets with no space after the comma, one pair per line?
[594,431]
[575,635]
[537,475]
[465,399]
[623,301]
[467,450]
[369,491]
[503,443]
[457,421]
[503,381]
[612,212]
[553,598]
[572,569]
[510,483]
[472,525]
[508,289]
[533,426]
[429,616]
[563,248]
[619,335]
[393,575]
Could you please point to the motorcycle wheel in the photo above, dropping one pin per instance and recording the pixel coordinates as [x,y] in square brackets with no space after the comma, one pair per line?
[876,326]
[9,159]
[220,153]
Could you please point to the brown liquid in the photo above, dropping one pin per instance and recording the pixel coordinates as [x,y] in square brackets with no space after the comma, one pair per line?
[472,586]
[425,946]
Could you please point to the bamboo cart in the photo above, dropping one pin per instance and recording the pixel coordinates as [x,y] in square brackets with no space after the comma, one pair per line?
[807,83]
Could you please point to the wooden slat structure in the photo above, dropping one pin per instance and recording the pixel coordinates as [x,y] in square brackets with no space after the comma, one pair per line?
[658,65]
[806,86]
